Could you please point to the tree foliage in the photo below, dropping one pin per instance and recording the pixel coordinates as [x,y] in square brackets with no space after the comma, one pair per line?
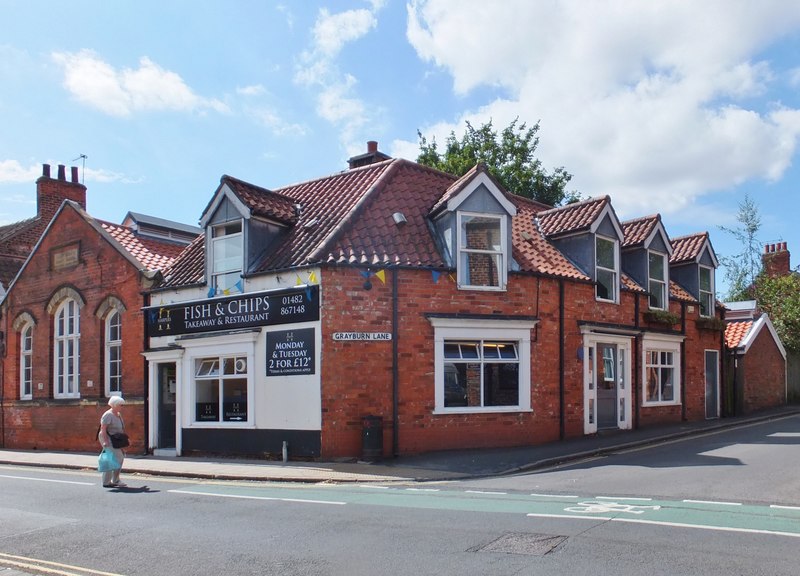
[742,269]
[778,296]
[509,156]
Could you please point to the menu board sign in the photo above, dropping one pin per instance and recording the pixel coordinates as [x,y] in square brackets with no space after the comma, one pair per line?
[290,352]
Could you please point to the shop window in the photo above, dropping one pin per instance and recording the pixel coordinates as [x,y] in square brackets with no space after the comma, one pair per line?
[482,258]
[67,350]
[657,280]
[26,362]
[226,256]
[221,389]
[113,353]
[706,291]
[662,374]
[606,269]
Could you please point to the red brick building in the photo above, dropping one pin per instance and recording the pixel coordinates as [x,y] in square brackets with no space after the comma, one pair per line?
[71,318]
[456,313]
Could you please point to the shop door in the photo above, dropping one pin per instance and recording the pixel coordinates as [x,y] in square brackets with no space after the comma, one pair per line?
[166,405]
[606,386]
[712,384]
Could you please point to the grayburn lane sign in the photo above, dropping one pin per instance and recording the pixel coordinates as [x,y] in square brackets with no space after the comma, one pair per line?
[241,311]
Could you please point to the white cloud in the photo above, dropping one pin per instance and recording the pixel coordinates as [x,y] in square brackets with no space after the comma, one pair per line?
[655,103]
[11,171]
[123,92]
[337,100]
[253,90]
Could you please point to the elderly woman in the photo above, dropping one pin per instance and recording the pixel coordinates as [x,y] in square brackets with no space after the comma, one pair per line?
[111,423]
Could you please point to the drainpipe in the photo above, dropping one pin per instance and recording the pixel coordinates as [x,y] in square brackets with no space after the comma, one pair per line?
[683,362]
[146,390]
[561,355]
[395,373]
[635,380]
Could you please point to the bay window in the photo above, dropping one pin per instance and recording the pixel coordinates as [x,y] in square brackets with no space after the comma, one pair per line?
[227,254]
[657,281]
[606,269]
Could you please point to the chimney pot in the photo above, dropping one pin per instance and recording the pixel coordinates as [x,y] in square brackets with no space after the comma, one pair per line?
[372,146]
[46,170]
[75,174]
[62,172]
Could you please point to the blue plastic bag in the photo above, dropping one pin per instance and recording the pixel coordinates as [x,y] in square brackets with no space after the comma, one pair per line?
[107,461]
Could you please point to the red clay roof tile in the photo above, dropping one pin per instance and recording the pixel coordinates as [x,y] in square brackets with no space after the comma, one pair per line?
[687,248]
[736,331]
[572,217]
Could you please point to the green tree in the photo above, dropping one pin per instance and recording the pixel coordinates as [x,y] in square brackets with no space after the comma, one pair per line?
[780,298]
[777,296]
[742,269]
[509,156]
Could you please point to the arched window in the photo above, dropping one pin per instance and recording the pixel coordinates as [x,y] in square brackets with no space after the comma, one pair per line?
[67,350]
[113,359]
[26,362]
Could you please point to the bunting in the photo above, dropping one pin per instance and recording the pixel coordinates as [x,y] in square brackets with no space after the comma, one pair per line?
[381,274]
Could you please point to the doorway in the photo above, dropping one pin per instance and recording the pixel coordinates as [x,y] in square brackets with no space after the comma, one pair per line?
[712,383]
[166,386]
[606,386]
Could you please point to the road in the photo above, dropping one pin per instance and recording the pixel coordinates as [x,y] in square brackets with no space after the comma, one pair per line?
[721,504]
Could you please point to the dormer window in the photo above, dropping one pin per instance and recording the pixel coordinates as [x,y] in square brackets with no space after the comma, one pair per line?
[482,258]
[657,280]
[226,256]
[706,291]
[606,269]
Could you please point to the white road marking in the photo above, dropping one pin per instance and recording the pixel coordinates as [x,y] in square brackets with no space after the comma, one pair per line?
[779,507]
[713,503]
[370,486]
[42,566]
[624,498]
[243,497]
[48,480]
[554,496]
[423,489]
[784,435]
[485,492]
[672,524]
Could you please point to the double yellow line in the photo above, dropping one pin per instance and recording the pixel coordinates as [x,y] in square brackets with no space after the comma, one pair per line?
[45,567]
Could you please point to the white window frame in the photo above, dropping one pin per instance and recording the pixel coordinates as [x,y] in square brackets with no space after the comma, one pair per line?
[658,286]
[704,294]
[613,271]
[111,345]
[500,253]
[66,350]
[662,343]
[210,347]
[450,329]
[26,362]
[225,267]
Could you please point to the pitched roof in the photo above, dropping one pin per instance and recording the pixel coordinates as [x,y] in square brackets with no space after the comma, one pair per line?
[188,268]
[677,292]
[16,242]
[151,253]
[571,218]
[263,202]
[531,250]
[637,231]
[736,331]
[688,248]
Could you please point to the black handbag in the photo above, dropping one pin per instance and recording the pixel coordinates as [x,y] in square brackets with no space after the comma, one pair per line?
[119,440]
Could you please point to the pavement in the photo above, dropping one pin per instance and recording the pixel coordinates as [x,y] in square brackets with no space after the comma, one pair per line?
[432,466]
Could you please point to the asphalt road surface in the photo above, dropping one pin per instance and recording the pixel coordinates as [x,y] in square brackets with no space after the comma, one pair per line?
[722,504]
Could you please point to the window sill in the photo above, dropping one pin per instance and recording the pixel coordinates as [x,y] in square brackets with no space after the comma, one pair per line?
[492,410]
[483,288]
[659,404]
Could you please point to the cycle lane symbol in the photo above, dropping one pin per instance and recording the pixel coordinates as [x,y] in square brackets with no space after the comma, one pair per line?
[595,507]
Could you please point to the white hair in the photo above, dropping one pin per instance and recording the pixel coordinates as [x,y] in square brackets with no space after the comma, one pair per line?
[116,400]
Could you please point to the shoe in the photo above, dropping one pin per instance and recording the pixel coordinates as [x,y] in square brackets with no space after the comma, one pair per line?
[108,485]
[120,485]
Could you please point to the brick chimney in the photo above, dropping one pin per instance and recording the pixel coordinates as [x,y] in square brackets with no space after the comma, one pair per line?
[51,192]
[776,260]
[372,156]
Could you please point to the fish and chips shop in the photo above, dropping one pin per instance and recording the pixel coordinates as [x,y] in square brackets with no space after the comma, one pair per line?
[236,375]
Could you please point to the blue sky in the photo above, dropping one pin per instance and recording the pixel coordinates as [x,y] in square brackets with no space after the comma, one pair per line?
[674,107]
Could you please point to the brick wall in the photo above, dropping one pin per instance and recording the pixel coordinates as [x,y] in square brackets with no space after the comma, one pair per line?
[45,422]
[764,374]
[357,376]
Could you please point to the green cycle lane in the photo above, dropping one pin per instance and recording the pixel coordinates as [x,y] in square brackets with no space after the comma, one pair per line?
[727,516]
